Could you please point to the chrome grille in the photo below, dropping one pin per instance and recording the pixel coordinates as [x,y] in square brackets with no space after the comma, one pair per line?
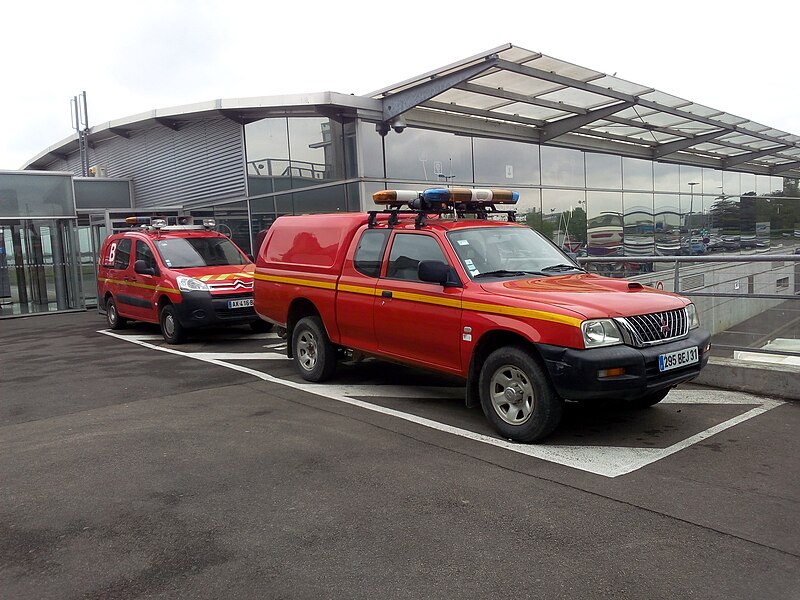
[655,328]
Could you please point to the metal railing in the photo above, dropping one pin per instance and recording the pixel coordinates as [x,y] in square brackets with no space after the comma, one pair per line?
[748,302]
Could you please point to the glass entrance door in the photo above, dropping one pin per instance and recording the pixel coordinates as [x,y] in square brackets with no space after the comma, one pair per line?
[39,266]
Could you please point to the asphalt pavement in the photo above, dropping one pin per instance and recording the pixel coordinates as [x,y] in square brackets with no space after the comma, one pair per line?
[129,469]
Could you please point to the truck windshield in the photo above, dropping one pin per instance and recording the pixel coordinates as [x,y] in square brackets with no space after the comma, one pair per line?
[180,253]
[508,252]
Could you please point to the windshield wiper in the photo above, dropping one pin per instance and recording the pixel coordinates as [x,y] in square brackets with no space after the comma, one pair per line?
[505,273]
[563,267]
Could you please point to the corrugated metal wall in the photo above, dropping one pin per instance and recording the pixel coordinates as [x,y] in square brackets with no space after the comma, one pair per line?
[202,162]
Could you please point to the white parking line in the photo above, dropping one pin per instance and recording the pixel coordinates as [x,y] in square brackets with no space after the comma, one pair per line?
[608,461]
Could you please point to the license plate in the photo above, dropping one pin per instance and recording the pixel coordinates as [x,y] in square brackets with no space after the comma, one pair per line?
[243,303]
[678,359]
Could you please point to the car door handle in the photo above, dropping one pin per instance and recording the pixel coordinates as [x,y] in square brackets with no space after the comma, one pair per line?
[386,294]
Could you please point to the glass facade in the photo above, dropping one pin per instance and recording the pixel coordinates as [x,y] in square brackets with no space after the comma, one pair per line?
[40,254]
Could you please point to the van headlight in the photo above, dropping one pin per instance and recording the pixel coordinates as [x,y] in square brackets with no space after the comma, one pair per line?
[692,316]
[600,332]
[190,284]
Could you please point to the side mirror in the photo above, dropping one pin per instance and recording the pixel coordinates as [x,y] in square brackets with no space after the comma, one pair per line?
[436,271]
[141,267]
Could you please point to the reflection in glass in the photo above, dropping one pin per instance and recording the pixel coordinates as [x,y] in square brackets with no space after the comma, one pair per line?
[691,174]
[267,149]
[712,181]
[637,174]
[371,150]
[748,181]
[605,229]
[562,167]
[603,171]
[667,224]
[429,156]
[563,219]
[639,233]
[317,151]
[731,184]
[505,163]
[666,177]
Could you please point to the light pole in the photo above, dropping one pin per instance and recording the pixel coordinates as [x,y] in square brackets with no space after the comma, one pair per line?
[691,185]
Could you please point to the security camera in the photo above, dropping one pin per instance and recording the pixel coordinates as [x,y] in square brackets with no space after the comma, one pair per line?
[398,124]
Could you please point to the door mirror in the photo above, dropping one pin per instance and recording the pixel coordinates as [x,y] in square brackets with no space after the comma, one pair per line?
[436,271]
[141,267]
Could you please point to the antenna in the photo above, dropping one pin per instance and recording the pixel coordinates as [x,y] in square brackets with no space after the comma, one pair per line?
[80,123]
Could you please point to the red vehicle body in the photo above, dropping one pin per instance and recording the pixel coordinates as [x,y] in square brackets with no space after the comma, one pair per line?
[182,277]
[372,284]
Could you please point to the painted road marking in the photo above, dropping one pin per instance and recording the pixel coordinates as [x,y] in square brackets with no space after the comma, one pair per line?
[608,461]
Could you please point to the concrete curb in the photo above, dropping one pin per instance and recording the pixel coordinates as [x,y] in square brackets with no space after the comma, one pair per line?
[781,381]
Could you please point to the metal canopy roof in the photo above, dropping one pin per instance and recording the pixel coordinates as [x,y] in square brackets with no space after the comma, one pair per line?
[550,101]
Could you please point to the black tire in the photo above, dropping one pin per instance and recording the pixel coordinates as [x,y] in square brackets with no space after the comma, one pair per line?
[114,320]
[171,328]
[650,399]
[261,326]
[314,354]
[517,397]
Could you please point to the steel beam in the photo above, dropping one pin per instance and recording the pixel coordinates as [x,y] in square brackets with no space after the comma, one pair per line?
[567,124]
[785,167]
[168,123]
[671,147]
[743,158]
[404,100]
[119,131]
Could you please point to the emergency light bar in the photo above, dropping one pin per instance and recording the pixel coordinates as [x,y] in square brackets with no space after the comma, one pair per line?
[153,222]
[439,196]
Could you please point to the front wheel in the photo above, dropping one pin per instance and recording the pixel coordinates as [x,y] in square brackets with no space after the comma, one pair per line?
[112,316]
[650,399]
[517,397]
[171,328]
[313,352]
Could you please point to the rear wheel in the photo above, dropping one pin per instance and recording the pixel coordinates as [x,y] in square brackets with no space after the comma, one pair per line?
[112,316]
[314,354]
[517,397]
[171,328]
[650,399]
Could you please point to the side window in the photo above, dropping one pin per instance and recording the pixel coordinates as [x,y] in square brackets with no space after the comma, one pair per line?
[143,252]
[369,253]
[408,249]
[122,258]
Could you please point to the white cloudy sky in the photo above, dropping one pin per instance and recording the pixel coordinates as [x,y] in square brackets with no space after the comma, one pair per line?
[131,57]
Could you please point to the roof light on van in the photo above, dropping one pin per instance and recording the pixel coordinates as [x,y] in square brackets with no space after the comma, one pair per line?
[137,220]
[446,196]
[209,223]
[158,223]
[395,196]
[470,195]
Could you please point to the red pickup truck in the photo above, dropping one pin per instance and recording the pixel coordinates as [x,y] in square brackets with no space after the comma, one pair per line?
[437,280]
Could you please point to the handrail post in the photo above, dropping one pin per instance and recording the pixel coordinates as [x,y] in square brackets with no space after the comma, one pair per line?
[676,285]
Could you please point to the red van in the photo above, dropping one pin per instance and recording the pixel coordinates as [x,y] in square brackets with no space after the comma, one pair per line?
[182,277]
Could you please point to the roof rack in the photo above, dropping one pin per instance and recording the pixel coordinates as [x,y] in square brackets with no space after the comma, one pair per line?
[456,201]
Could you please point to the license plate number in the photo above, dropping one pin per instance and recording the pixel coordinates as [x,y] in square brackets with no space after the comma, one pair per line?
[678,359]
[243,303]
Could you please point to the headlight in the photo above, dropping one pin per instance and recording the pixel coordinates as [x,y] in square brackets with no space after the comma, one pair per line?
[190,284]
[600,332]
[691,314]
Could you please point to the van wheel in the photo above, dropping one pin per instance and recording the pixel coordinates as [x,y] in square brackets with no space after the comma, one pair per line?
[517,397]
[112,316]
[171,328]
[650,399]
[314,354]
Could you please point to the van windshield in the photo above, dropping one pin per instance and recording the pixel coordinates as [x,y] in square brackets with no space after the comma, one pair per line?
[180,253]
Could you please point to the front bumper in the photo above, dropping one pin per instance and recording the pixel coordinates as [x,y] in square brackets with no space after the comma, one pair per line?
[201,309]
[574,373]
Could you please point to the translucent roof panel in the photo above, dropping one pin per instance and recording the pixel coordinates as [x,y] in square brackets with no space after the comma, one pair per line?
[509,81]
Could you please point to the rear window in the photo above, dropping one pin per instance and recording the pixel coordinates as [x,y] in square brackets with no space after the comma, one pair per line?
[178,253]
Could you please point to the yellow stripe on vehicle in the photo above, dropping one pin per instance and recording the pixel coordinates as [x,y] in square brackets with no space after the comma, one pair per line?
[136,284]
[357,289]
[522,312]
[424,298]
[326,285]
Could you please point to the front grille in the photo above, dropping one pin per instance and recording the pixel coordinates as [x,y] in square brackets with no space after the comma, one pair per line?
[655,328]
